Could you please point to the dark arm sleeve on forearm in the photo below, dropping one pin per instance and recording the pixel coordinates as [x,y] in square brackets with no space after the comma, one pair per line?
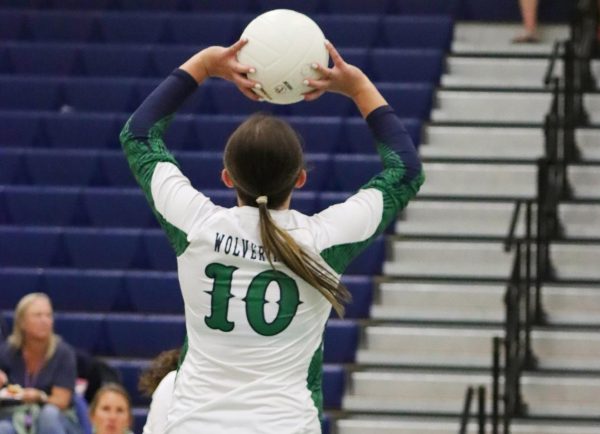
[143,143]
[389,131]
[162,102]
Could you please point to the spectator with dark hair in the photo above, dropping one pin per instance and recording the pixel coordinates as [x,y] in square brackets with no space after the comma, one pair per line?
[39,370]
[158,381]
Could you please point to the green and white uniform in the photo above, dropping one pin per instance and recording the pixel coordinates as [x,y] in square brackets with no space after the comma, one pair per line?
[255,334]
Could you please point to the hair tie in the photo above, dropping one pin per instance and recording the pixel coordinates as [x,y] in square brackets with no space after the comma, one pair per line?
[262,200]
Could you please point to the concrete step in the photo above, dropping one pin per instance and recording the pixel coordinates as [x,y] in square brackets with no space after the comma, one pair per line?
[448,259]
[500,143]
[513,107]
[506,143]
[468,72]
[504,107]
[481,151]
[588,142]
[430,392]
[472,348]
[499,73]
[489,136]
[431,301]
[571,304]
[479,180]
[576,261]
[412,425]
[580,220]
[458,218]
[584,180]
[495,39]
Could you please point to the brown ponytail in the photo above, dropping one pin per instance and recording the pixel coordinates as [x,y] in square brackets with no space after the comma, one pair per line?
[264,158]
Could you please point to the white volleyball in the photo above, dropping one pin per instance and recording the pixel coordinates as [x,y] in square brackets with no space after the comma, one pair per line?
[282,46]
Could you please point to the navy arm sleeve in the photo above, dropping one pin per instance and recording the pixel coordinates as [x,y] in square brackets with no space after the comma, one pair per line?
[143,142]
[398,182]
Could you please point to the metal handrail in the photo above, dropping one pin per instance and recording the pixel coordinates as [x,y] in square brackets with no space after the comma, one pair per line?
[496,343]
[566,113]
[466,412]
[553,57]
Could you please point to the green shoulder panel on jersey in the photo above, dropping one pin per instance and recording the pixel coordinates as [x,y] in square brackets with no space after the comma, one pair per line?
[396,192]
[314,380]
[143,156]
[182,353]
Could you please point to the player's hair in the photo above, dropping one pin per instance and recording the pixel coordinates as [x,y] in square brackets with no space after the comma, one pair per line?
[164,363]
[264,157]
[114,388]
[17,338]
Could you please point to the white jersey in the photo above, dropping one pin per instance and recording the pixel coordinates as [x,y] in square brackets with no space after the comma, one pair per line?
[156,421]
[252,331]
[254,358]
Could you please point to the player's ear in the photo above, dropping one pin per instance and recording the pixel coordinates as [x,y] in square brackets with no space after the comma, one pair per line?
[226,178]
[301,179]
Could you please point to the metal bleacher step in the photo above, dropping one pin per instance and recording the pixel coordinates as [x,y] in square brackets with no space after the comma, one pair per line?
[477,143]
[464,347]
[580,220]
[493,180]
[457,218]
[584,181]
[448,259]
[440,301]
[429,392]
[498,143]
[443,425]
[497,107]
[575,261]
[588,143]
[481,302]
[484,39]
[474,72]
[467,72]
[570,304]
[509,107]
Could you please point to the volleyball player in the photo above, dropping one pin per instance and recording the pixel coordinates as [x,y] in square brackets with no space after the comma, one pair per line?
[258,279]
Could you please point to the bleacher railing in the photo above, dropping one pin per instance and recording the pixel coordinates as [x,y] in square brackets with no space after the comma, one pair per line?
[523,310]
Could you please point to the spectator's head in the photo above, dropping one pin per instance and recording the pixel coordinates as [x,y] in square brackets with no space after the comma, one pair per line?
[164,363]
[34,323]
[110,410]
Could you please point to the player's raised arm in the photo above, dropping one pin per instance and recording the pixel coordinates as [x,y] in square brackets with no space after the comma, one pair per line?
[402,173]
[169,193]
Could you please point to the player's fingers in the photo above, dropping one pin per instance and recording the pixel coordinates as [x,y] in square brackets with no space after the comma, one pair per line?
[237,46]
[250,94]
[323,70]
[313,95]
[242,69]
[335,55]
[243,81]
[317,84]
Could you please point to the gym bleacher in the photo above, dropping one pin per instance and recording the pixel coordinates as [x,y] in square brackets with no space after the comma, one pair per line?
[73,222]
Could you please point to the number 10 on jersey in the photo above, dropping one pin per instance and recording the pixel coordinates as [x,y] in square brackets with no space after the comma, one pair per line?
[255,300]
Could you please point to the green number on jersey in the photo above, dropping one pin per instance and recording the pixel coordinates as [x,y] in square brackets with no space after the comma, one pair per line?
[220,295]
[255,300]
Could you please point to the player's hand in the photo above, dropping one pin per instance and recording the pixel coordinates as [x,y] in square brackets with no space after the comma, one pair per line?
[222,62]
[3,378]
[342,78]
